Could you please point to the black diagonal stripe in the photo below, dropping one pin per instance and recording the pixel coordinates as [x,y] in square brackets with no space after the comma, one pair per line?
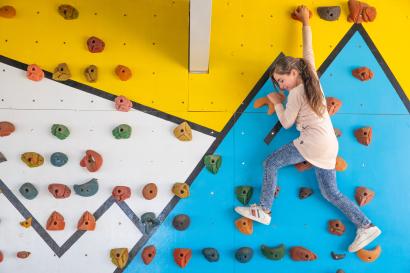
[131,215]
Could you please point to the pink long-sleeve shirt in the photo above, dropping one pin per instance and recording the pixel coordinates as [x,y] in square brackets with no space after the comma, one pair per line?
[317,142]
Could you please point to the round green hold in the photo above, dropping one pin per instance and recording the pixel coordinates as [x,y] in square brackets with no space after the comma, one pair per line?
[60,131]
[28,191]
[213,163]
[122,131]
[273,253]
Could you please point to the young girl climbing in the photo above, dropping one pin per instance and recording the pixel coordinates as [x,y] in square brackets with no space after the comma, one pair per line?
[317,143]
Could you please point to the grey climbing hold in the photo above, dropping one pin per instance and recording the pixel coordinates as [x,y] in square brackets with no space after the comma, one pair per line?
[87,189]
[2,157]
[211,254]
[329,13]
[150,221]
[58,159]
[244,254]
[340,271]
[337,256]
[181,222]
[28,191]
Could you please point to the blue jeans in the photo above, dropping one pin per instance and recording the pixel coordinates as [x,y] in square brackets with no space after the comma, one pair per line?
[289,155]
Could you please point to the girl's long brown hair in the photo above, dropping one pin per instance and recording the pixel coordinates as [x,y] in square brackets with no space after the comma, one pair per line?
[310,81]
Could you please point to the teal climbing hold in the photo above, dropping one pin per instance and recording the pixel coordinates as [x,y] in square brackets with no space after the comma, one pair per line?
[211,254]
[213,163]
[273,253]
[2,157]
[244,254]
[58,159]
[28,191]
[87,189]
[60,131]
[244,194]
[122,131]
[150,221]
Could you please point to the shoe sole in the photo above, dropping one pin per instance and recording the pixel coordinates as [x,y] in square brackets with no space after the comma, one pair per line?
[367,241]
[253,218]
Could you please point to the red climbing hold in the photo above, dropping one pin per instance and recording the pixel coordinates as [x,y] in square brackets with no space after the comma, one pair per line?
[122,104]
[1,256]
[333,105]
[336,227]
[87,222]
[303,166]
[364,135]
[23,254]
[363,195]
[92,161]
[361,12]
[362,73]
[95,45]
[182,256]
[148,254]
[59,191]
[6,128]
[121,193]
[299,253]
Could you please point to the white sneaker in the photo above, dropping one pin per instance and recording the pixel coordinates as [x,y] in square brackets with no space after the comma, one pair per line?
[254,212]
[364,236]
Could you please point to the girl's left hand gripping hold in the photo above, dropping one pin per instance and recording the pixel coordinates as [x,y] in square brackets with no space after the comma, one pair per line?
[276,97]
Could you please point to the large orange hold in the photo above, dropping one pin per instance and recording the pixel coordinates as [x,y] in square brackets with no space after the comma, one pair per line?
[361,12]
[35,73]
[92,161]
[182,256]
[6,128]
[362,73]
[369,255]
[341,164]
[299,253]
[87,222]
[7,12]
[124,73]
[244,225]
[262,102]
[55,221]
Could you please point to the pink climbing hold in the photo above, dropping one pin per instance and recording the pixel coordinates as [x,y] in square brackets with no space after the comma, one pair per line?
[122,104]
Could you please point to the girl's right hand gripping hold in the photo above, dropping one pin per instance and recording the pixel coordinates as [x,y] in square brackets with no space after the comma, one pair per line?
[302,14]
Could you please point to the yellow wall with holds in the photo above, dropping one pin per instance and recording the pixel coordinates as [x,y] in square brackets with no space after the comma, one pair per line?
[151,37]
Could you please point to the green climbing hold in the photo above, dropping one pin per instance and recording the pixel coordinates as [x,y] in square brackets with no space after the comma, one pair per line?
[244,254]
[122,131]
[213,163]
[244,194]
[273,253]
[87,189]
[60,131]
[211,254]
[28,191]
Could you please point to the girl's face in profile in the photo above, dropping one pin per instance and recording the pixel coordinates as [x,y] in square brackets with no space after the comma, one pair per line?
[287,81]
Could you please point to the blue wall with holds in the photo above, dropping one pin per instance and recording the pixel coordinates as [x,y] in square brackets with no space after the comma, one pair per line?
[381,167]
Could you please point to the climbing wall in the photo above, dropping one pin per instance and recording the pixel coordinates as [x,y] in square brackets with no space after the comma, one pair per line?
[151,155]
[381,166]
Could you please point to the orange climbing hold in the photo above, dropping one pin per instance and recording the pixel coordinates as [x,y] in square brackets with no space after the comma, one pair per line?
[121,193]
[7,12]
[92,161]
[124,73]
[362,73]
[35,73]
[303,166]
[148,254]
[150,191]
[55,221]
[363,196]
[297,16]
[244,225]
[87,222]
[369,255]
[299,253]
[182,256]
[361,12]
[6,128]
[364,135]
[333,105]
[341,164]
[262,102]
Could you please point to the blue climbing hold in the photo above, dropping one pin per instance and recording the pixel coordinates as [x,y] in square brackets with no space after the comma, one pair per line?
[58,159]
[28,191]
[87,189]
